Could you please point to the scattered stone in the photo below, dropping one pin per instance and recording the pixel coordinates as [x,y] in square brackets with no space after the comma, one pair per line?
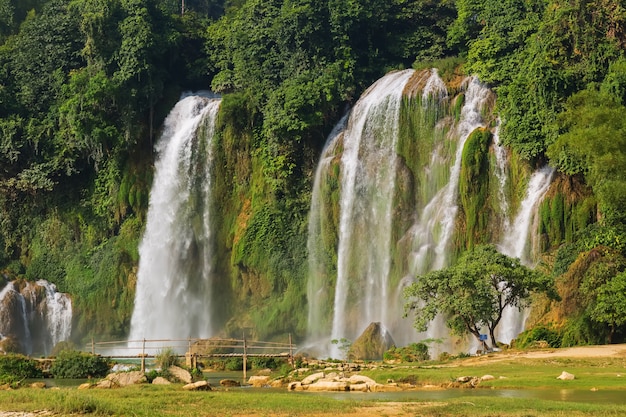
[362,387]
[594,389]
[230,383]
[159,380]
[5,387]
[180,373]
[38,385]
[86,385]
[198,386]
[463,379]
[566,376]
[259,381]
[488,378]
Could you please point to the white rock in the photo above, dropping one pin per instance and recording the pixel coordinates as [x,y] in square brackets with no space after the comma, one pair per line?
[566,376]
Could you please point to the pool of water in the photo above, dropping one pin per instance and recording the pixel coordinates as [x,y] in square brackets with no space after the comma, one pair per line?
[582,396]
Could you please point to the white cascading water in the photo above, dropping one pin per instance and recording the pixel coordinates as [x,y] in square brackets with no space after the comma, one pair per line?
[432,232]
[37,323]
[174,279]
[368,173]
[318,286]
[58,314]
[518,243]
[368,165]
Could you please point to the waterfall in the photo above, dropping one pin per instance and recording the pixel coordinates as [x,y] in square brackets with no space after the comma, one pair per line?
[517,243]
[36,320]
[173,293]
[368,165]
[364,290]
[58,314]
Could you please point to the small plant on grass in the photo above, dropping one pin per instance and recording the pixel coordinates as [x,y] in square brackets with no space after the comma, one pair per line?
[166,358]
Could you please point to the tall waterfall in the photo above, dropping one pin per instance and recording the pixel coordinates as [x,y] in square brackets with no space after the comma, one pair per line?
[517,242]
[173,295]
[360,193]
[35,315]
[368,165]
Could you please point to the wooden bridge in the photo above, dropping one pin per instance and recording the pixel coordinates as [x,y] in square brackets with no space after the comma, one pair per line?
[194,348]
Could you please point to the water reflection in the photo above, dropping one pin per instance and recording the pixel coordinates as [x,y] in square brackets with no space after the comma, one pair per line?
[581,396]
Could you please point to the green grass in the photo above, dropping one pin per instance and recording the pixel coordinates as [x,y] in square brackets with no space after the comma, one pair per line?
[536,374]
[604,373]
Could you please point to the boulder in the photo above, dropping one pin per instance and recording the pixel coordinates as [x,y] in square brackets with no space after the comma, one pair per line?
[277,383]
[198,386]
[38,385]
[106,384]
[487,378]
[86,385]
[361,379]
[312,378]
[230,383]
[123,379]
[372,343]
[159,380]
[259,381]
[182,374]
[326,385]
[295,386]
[566,376]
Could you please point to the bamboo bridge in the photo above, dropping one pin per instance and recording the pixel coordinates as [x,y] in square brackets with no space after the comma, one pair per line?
[194,348]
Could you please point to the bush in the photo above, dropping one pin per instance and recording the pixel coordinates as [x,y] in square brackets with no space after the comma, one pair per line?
[415,352]
[74,364]
[17,367]
[530,337]
[267,363]
[166,358]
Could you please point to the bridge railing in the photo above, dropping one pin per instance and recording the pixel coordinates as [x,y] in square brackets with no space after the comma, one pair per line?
[193,348]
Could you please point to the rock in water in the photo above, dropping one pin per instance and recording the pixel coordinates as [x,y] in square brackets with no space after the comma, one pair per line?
[372,343]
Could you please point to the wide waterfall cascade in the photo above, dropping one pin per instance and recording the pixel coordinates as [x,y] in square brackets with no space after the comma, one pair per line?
[356,185]
[518,242]
[174,279]
[35,315]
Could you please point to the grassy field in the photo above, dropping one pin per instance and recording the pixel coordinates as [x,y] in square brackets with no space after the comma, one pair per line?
[593,375]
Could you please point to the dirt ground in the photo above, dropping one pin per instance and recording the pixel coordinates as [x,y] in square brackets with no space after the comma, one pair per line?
[579,352]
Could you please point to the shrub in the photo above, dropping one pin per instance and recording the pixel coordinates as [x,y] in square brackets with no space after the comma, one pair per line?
[74,364]
[538,333]
[166,358]
[415,352]
[17,367]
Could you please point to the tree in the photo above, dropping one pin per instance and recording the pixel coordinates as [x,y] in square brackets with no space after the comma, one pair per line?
[610,304]
[474,293]
[593,143]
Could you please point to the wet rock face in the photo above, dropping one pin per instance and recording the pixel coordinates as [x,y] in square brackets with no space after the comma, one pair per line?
[33,317]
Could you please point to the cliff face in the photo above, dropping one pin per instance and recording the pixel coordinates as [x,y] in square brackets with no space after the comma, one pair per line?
[321,246]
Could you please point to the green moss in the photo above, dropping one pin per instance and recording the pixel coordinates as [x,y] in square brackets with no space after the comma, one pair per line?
[474,187]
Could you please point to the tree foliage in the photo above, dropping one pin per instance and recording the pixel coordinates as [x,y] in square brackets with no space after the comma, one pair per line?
[473,293]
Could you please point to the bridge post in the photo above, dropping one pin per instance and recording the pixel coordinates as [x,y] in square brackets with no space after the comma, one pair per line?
[291,361]
[245,358]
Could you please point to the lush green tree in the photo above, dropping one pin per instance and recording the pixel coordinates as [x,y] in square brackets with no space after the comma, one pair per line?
[593,143]
[609,306]
[474,292]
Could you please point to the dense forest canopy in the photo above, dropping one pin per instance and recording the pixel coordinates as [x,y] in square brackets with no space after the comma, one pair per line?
[85,85]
